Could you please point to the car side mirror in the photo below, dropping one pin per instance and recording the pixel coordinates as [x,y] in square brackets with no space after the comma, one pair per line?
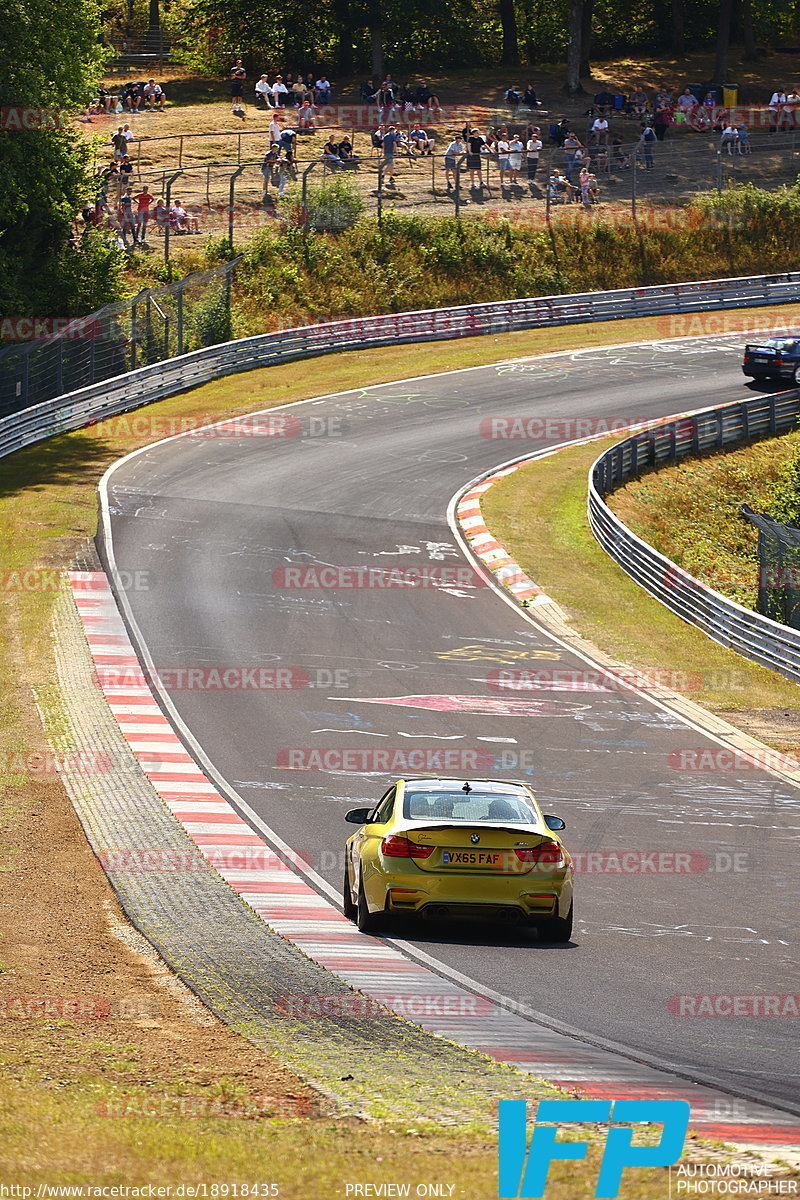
[358,816]
[554,823]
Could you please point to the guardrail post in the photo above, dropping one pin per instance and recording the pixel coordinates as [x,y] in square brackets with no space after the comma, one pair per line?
[380,195]
[773,416]
[180,151]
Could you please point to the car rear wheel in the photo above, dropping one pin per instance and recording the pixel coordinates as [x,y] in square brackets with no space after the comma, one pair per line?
[796,375]
[556,929]
[347,898]
[367,922]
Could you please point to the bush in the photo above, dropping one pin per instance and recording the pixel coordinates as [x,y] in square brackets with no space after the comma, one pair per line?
[331,206]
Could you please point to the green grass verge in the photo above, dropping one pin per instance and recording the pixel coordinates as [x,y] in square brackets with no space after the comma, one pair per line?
[690,512]
[539,515]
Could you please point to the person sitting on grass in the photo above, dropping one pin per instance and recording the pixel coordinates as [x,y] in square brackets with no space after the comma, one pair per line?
[421,142]
[599,131]
[349,158]
[426,98]
[323,89]
[263,91]
[154,96]
[330,154]
[305,117]
[638,101]
[530,99]
[512,99]
[280,92]
[161,214]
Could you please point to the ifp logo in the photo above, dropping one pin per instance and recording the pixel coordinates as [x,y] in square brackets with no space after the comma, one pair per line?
[523,1169]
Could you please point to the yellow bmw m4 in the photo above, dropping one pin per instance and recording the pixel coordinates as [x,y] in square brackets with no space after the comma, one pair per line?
[477,848]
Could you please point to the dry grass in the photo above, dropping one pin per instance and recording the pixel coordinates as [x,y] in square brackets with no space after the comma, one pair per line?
[686,163]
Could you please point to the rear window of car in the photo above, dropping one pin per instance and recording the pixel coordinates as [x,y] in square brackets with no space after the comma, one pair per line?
[475,806]
[785,346]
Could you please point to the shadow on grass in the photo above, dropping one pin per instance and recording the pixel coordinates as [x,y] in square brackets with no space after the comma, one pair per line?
[59,460]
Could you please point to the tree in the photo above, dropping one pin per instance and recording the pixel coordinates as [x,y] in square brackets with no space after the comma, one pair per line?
[678,45]
[586,37]
[508,22]
[748,32]
[574,87]
[50,54]
[723,41]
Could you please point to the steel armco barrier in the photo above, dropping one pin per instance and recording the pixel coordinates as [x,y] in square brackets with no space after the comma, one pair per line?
[143,386]
[748,633]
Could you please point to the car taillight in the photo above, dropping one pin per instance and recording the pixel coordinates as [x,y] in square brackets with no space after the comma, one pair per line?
[395,846]
[777,362]
[547,851]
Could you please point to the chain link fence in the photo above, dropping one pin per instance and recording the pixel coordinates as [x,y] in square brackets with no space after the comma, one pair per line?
[157,324]
[651,183]
[778,568]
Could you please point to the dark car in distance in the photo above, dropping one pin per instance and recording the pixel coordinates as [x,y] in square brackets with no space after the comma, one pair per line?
[774,358]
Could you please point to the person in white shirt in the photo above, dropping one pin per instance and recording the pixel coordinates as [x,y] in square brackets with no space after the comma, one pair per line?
[153,95]
[452,155]
[502,157]
[279,92]
[515,149]
[776,104]
[264,92]
[600,131]
[730,136]
[275,131]
[532,152]
[323,87]
[789,113]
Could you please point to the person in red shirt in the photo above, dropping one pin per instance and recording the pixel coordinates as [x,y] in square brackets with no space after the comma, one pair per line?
[143,202]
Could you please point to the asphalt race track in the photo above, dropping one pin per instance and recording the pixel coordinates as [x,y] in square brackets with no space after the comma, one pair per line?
[234,531]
